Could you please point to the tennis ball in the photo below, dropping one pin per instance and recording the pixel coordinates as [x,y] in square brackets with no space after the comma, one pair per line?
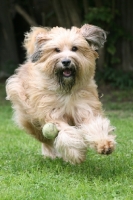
[50,131]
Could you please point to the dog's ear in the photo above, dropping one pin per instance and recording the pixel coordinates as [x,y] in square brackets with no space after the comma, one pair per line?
[95,36]
[33,40]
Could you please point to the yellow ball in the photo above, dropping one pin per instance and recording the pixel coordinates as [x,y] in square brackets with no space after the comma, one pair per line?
[50,131]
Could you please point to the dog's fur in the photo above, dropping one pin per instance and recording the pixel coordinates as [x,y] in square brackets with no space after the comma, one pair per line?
[56,84]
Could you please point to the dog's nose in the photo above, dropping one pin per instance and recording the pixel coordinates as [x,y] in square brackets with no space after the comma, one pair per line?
[66,62]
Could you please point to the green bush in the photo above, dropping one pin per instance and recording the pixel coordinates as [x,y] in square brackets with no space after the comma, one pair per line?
[106,17]
[116,78]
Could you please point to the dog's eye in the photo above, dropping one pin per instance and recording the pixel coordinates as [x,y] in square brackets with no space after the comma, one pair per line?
[57,50]
[74,48]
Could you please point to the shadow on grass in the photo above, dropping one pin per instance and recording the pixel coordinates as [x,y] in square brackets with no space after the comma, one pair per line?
[95,166]
[103,168]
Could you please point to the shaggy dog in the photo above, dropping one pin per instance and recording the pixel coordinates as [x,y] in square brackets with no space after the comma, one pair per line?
[56,84]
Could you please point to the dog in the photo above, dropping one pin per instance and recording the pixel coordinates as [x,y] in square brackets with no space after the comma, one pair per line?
[56,85]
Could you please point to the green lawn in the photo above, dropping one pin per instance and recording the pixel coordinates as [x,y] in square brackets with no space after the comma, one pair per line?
[25,175]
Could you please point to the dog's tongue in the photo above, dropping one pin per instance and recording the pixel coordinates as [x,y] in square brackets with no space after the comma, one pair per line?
[67,72]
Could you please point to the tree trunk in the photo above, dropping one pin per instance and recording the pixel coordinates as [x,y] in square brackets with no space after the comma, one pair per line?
[86,6]
[73,12]
[59,13]
[8,51]
[125,46]
[67,13]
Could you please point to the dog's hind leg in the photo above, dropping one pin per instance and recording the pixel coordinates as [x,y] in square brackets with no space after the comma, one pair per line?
[48,149]
[32,130]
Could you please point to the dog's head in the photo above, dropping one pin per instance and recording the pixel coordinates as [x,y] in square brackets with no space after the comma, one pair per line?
[67,55]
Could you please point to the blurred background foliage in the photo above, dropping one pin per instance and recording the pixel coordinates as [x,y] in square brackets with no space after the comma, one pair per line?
[115,65]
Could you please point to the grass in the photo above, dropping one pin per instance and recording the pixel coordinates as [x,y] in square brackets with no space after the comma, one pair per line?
[24,174]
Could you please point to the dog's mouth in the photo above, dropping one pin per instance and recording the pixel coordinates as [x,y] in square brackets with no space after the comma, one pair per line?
[68,72]
[66,77]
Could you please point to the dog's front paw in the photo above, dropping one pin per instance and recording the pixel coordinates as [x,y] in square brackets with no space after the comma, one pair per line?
[105,146]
